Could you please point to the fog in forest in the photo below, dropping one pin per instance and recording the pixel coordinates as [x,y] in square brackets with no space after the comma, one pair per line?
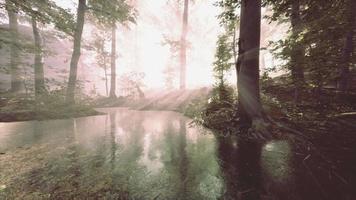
[178,99]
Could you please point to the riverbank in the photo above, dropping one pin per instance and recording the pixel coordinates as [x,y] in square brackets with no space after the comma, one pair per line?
[25,109]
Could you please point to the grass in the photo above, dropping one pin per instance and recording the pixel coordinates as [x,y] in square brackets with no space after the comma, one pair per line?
[52,106]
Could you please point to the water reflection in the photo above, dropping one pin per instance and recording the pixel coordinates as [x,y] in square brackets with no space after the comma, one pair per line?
[129,154]
[122,155]
[240,165]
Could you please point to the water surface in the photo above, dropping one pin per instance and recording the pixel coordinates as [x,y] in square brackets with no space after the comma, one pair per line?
[128,154]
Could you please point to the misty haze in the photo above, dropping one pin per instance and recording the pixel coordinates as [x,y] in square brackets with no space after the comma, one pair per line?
[178,99]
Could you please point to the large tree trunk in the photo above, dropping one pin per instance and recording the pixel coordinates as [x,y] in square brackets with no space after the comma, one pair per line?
[38,61]
[113,63]
[183,46]
[344,80]
[14,48]
[76,52]
[297,55]
[248,63]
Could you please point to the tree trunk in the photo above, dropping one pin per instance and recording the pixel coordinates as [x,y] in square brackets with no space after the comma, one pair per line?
[14,48]
[183,46]
[106,79]
[344,80]
[297,55]
[113,63]
[38,61]
[248,63]
[76,52]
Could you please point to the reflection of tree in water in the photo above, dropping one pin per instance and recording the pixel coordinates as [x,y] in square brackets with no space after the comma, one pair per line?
[127,149]
[183,162]
[189,168]
[59,171]
[240,167]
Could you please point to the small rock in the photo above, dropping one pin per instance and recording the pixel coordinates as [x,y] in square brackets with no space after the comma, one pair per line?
[2,187]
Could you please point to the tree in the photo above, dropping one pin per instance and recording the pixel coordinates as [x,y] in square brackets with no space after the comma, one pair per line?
[113,62]
[183,46]
[223,59]
[248,63]
[347,51]
[14,47]
[102,55]
[76,52]
[110,13]
[174,50]
[319,43]
[132,83]
[298,52]
[38,60]
[43,12]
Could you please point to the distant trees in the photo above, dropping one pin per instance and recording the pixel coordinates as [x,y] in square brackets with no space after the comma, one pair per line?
[12,11]
[102,54]
[36,12]
[132,83]
[183,46]
[108,13]
[44,13]
[320,43]
[113,62]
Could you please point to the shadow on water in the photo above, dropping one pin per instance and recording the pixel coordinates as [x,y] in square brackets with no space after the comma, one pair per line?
[240,167]
[130,154]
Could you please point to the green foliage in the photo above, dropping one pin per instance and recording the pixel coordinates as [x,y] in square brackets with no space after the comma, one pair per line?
[223,57]
[220,112]
[322,35]
[110,12]
[229,16]
[51,105]
[44,11]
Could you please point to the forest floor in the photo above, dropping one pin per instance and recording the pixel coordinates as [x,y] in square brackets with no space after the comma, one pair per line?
[323,130]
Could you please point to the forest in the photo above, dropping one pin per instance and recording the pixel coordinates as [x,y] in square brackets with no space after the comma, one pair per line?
[178,99]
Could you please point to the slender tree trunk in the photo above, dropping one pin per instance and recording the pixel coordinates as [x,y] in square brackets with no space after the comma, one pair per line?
[14,48]
[106,79]
[344,80]
[38,61]
[183,46]
[234,44]
[76,52]
[113,63]
[297,55]
[248,63]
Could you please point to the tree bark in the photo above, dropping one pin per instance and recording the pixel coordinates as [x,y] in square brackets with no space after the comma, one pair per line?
[113,63]
[248,63]
[38,61]
[76,52]
[183,46]
[297,55]
[14,48]
[344,81]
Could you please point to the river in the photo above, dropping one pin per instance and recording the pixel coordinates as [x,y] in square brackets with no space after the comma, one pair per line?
[128,154]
